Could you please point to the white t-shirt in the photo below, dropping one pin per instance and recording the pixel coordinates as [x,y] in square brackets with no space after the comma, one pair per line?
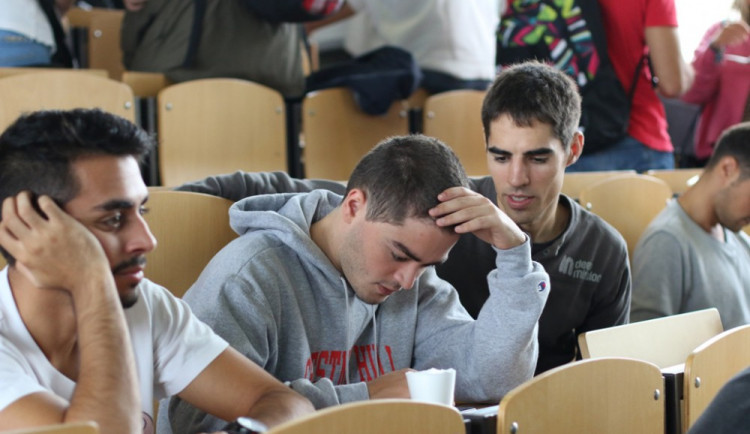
[456,37]
[27,18]
[171,348]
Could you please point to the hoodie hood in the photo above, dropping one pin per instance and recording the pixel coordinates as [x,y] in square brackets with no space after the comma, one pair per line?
[278,211]
[288,217]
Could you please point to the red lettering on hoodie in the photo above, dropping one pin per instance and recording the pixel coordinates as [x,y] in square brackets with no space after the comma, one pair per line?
[364,372]
[390,357]
[323,364]
[322,357]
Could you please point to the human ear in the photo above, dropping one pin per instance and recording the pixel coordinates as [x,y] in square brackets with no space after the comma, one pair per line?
[729,169]
[354,203]
[575,149]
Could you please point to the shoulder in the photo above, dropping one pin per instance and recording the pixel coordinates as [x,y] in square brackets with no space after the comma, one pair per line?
[485,186]
[10,354]
[155,306]
[669,223]
[743,237]
[250,249]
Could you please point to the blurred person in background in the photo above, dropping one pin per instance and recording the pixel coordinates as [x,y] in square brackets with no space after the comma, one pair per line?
[31,34]
[722,79]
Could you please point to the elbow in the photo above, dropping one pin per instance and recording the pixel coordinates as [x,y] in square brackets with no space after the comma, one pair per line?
[676,86]
[673,89]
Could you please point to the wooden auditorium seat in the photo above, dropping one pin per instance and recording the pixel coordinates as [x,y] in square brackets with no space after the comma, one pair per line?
[62,90]
[336,133]
[574,182]
[7,71]
[679,180]
[190,228]
[710,366]
[63,428]
[219,125]
[455,118]
[392,416]
[628,202]
[99,30]
[610,395]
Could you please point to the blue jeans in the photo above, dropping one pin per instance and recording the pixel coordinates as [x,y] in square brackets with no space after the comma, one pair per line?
[627,154]
[18,50]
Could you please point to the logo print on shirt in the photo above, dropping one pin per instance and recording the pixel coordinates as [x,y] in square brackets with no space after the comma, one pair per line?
[578,269]
[331,364]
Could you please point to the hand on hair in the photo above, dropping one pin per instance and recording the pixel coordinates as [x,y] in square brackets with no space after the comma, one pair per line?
[473,213]
[52,249]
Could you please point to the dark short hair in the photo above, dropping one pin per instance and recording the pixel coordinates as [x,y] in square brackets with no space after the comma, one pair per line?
[733,142]
[534,91]
[402,177]
[37,150]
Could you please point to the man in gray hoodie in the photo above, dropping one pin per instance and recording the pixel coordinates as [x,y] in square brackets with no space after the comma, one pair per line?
[530,116]
[338,296]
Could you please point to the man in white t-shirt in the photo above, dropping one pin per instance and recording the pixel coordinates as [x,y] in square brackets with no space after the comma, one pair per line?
[83,336]
[452,41]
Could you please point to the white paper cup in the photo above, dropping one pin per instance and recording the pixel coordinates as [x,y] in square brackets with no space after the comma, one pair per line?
[432,385]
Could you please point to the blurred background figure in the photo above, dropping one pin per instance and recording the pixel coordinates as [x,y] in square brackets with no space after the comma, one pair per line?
[31,33]
[632,29]
[453,41]
[188,40]
[722,78]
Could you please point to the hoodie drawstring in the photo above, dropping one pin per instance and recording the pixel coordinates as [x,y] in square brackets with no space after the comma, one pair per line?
[346,351]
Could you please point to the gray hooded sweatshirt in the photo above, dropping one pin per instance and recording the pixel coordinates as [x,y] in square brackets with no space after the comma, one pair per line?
[276,297]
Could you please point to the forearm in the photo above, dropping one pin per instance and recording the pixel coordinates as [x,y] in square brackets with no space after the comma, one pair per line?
[675,76]
[706,66]
[518,292]
[239,185]
[106,390]
[323,393]
[279,405]
[502,341]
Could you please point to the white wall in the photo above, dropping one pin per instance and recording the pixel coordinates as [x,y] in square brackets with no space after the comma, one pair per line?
[695,17]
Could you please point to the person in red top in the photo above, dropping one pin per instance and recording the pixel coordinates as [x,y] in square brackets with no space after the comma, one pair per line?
[633,28]
[722,79]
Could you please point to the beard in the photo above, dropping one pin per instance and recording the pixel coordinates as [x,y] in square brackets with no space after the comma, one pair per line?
[129,298]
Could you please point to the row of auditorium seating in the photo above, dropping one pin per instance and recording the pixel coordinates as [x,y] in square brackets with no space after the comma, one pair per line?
[453,118]
[211,126]
[695,355]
